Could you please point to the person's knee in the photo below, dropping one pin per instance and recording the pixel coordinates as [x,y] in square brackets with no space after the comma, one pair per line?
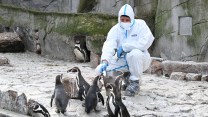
[135,54]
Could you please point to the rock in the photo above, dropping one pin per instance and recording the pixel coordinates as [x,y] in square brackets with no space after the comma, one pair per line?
[95,44]
[193,77]
[10,42]
[10,100]
[155,68]
[69,82]
[4,61]
[178,76]
[204,78]
[187,67]
[21,104]
[94,60]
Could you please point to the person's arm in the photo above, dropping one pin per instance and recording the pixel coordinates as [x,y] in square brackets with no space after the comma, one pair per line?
[109,45]
[143,42]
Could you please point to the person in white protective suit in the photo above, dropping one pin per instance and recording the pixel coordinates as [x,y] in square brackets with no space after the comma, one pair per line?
[130,38]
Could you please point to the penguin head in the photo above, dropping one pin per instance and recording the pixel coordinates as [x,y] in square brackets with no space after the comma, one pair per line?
[74,69]
[118,82]
[100,82]
[77,41]
[58,79]
[115,88]
[97,81]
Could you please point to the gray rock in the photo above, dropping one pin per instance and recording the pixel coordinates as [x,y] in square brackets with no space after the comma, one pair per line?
[10,100]
[178,76]
[10,42]
[95,43]
[94,60]
[193,77]
[155,68]
[70,87]
[186,67]
[4,61]
[204,78]
[21,104]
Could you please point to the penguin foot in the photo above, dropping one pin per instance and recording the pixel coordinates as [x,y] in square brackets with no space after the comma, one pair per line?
[57,111]
[63,112]
[83,104]
[96,110]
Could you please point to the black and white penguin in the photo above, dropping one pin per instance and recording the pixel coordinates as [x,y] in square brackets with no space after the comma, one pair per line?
[112,108]
[120,108]
[82,85]
[80,51]
[60,96]
[36,109]
[93,96]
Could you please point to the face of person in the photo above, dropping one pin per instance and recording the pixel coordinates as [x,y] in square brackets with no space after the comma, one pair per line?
[125,19]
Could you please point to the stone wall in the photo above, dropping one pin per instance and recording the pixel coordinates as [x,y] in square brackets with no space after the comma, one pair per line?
[173,44]
[56,31]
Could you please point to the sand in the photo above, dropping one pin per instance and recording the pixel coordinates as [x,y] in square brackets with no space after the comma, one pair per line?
[34,75]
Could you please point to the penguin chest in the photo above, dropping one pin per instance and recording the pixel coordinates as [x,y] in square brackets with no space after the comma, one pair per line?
[111,105]
[79,54]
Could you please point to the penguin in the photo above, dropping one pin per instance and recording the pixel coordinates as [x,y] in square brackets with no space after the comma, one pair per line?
[36,109]
[80,51]
[82,85]
[93,96]
[111,101]
[60,96]
[115,92]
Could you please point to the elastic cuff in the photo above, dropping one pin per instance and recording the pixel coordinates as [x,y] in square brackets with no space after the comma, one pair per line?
[105,61]
[133,78]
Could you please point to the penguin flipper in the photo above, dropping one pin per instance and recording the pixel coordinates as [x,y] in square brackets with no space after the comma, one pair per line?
[81,93]
[52,97]
[100,96]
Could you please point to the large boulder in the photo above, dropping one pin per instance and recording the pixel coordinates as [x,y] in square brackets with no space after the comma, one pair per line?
[69,82]
[10,42]
[187,67]
[95,44]
[193,77]
[178,76]
[10,100]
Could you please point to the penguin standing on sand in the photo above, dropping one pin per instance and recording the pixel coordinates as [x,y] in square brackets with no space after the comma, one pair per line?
[80,51]
[111,101]
[82,85]
[120,108]
[36,109]
[93,96]
[60,96]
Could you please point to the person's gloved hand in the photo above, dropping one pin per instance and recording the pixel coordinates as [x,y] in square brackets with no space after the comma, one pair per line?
[103,66]
[119,51]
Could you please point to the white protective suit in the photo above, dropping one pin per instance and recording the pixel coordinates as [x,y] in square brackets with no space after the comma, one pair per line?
[135,42]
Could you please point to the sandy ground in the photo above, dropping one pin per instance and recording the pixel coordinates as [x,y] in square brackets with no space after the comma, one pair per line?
[35,76]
